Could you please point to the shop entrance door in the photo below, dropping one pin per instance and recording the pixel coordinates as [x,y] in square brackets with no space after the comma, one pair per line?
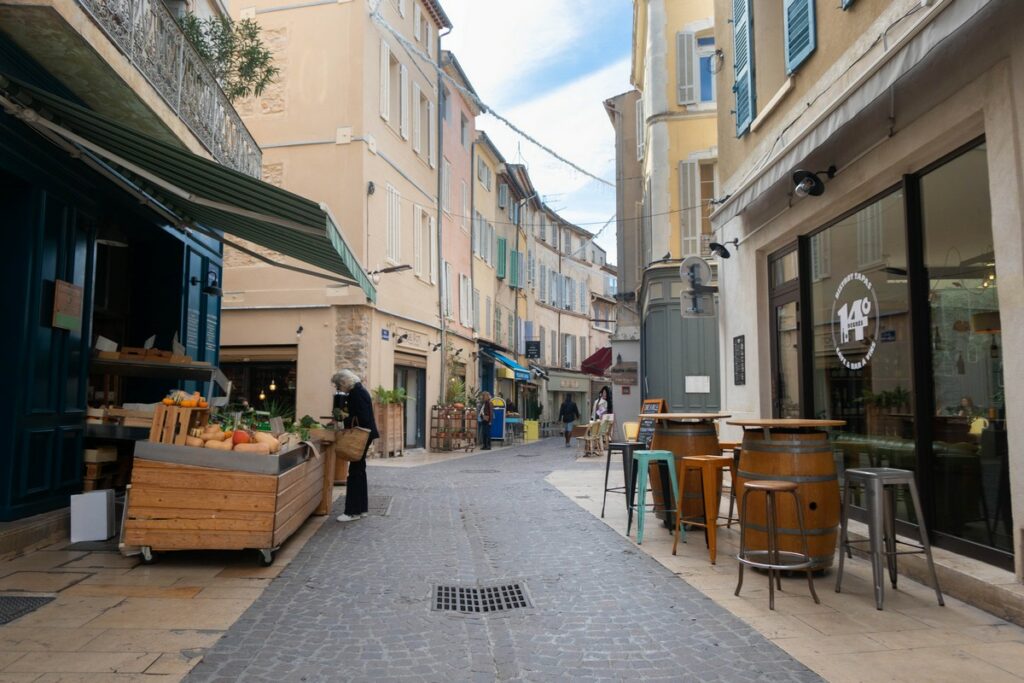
[414,381]
[785,335]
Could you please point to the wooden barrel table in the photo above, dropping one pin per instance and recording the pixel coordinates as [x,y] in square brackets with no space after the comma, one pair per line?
[798,451]
[684,434]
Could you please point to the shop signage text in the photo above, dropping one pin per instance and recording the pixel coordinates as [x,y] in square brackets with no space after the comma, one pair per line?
[533,350]
[624,372]
[855,321]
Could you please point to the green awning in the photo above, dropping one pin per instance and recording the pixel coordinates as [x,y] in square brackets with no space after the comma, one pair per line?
[200,192]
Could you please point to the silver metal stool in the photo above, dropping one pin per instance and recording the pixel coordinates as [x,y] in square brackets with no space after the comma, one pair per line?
[879,483]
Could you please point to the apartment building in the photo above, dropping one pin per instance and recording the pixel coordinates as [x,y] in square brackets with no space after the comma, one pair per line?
[674,60]
[123,169]
[352,122]
[871,165]
[458,133]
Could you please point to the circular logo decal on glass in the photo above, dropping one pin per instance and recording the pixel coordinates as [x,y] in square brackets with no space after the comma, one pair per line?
[855,320]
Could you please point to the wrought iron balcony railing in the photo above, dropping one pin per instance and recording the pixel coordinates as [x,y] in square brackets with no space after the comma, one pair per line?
[148,34]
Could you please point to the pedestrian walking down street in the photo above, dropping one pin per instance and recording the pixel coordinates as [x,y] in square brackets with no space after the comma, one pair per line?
[484,416]
[602,405]
[359,407]
[568,414]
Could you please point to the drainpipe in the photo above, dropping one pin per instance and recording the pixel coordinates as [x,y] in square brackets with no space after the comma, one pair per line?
[472,262]
[440,222]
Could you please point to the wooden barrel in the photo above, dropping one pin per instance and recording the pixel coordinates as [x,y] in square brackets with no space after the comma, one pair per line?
[683,439]
[804,458]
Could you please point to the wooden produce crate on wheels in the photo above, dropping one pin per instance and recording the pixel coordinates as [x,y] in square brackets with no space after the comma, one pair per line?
[390,424]
[184,498]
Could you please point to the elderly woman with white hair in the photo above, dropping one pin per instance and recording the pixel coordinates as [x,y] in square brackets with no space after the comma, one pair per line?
[357,403]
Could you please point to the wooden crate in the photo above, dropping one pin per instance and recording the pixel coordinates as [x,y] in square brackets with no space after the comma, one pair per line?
[392,430]
[186,507]
[171,424]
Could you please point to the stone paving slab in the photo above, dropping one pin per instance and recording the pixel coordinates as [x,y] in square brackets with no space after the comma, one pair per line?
[354,604]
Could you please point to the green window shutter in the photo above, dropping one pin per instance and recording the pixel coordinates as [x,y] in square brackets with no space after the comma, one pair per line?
[800,34]
[513,269]
[743,65]
[501,258]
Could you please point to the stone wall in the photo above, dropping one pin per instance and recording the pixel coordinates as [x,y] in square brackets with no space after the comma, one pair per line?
[352,332]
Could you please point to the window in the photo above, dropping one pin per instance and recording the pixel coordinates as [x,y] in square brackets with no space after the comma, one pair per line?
[531,274]
[446,289]
[542,295]
[483,173]
[541,339]
[641,127]
[743,69]
[583,296]
[465,301]
[821,255]
[394,251]
[421,237]
[502,195]
[464,216]
[800,32]
[446,96]
[476,310]
[385,80]
[869,236]
[489,246]
[417,118]
[686,68]
[705,69]
[554,347]
[446,186]
[401,7]
[464,130]
[417,21]
[543,228]
[487,314]
[502,246]
[689,208]
[497,323]
[511,331]
[583,347]
[431,135]
[708,191]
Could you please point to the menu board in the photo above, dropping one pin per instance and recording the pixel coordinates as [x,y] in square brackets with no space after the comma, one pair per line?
[648,424]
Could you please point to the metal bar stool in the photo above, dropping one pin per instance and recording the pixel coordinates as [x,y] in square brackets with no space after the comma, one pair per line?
[642,461]
[773,555]
[879,484]
[710,468]
[626,448]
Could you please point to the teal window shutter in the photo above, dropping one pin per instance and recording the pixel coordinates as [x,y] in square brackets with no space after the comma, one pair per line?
[743,65]
[513,269]
[800,33]
[501,258]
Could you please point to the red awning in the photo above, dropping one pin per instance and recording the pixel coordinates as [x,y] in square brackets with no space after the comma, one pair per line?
[598,362]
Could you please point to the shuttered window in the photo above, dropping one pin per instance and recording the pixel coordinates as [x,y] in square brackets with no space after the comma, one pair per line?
[743,65]
[487,315]
[686,68]
[446,288]
[543,294]
[432,234]
[417,124]
[799,31]
[689,208]
[419,238]
[403,103]
[401,7]
[501,258]
[513,267]
[394,224]
[476,310]
[417,21]
[640,128]
[385,80]
[432,134]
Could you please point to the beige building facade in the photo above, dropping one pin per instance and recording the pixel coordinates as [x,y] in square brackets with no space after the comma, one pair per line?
[874,216]
[352,122]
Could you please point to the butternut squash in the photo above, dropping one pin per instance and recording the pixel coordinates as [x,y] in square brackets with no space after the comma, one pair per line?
[218,445]
[264,437]
[260,448]
[214,434]
[194,441]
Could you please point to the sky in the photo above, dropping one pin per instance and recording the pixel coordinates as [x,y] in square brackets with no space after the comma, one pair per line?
[548,66]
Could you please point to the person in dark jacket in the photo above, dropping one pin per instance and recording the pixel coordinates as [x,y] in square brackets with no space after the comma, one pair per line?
[484,417]
[568,414]
[358,404]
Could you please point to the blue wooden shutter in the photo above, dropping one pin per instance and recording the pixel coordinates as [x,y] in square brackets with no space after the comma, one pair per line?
[743,65]
[799,31]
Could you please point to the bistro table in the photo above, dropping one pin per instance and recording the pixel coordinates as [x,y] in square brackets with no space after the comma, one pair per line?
[684,434]
[799,451]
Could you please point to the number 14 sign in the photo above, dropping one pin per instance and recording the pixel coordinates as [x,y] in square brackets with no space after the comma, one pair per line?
[855,321]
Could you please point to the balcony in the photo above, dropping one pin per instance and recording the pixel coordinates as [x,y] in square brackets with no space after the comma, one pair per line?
[99,49]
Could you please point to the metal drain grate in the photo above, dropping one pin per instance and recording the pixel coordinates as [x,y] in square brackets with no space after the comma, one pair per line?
[12,607]
[380,505]
[480,599]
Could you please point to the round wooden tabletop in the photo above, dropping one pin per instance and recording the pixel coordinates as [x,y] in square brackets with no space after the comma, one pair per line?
[686,417]
[787,423]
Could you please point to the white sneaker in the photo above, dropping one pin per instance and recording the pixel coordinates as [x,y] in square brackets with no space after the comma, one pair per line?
[347,518]
[365,514]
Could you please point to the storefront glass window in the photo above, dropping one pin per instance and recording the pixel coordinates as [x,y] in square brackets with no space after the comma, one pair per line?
[862,355]
[969,430]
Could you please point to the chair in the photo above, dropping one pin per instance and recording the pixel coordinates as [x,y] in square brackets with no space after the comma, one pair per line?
[598,442]
[710,468]
[585,440]
[642,461]
[630,430]
[626,448]
[880,502]
[773,556]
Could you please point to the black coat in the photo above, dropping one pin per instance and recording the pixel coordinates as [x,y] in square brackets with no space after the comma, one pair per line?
[359,407]
[569,412]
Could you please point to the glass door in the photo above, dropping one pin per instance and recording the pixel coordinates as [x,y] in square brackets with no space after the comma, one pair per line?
[785,334]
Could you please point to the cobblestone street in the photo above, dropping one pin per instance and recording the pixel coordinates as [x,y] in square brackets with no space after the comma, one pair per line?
[356,603]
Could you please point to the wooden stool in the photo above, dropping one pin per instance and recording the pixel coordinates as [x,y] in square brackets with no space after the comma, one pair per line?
[773,555]
[734,448]
[710,468]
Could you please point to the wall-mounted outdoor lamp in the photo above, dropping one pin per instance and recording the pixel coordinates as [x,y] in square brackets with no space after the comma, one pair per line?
[719,250]
[810,182]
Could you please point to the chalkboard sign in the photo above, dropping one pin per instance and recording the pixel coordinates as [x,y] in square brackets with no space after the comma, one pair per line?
[648,424]
[739,360]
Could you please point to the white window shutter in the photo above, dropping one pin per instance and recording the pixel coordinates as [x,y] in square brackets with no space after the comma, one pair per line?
[432,235]
[401,7]
[417,125]
[417,229]
[689,211]
[417,19]
[404,103]
[686,68]
[430,41]
[640,128]
[385,80]
[432,134]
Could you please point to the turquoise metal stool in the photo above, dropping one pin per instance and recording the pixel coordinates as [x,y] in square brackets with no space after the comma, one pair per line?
[642,460]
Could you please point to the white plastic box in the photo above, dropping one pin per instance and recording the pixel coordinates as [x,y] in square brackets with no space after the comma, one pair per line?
[92,516]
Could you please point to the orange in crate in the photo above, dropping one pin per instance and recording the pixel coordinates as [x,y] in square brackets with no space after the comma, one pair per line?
[171,424]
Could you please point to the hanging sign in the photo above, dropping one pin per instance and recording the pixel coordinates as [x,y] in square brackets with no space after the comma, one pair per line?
[533,350]
[67,306]
[855,321]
